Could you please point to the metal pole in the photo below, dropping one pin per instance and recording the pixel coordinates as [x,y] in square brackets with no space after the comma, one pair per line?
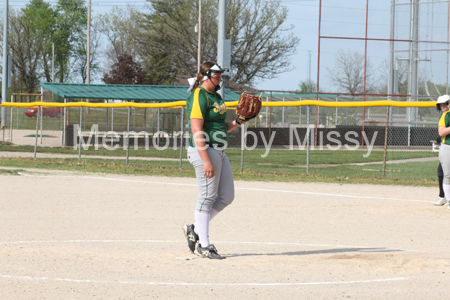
[391,56]
[128,133]
[158,125]
[5,61]
[448,39]
[318,50]
[300,115]
[270,117]
[365,70]
[17,118]
[318,70]
[385,141]
[199,51]
[308,133]
[112,125]
[37,131]
[80,133]
[11,125]
[221,39]
[242,146]
[53,62]
[88,46]
[336,112]
[64,125]
[182,136]
[42,111]
[267,113]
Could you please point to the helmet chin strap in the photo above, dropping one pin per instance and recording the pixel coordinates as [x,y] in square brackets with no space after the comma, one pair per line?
[218,87]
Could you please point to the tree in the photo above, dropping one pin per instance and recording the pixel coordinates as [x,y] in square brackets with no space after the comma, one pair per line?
[402,69]
[126,71]
[167,44]
[123,29]
[80,56]
[71,23]
[42,18]
[348,72]
[119,26]
[25,49]
[307,87]
[260,46]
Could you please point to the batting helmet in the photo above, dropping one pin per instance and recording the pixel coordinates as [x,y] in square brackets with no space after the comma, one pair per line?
[442,99]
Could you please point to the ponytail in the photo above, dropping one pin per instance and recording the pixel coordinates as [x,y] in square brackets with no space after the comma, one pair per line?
[204,67]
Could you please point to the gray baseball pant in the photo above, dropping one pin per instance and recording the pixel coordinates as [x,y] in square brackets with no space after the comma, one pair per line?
[216,192]
[444,158]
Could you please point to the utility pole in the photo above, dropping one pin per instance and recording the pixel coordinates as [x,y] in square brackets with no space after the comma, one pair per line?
[53,62]
[88,50]
[199,57]
[393,79]
[413,59]
[5,63]
[88,59]
[223,45]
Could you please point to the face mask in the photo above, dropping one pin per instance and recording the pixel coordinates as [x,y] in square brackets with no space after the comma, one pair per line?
[214,69]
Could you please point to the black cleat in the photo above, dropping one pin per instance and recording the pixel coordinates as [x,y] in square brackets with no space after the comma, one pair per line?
[209,252]
[191,236]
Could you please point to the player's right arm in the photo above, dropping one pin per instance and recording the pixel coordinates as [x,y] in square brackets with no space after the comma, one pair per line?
[200,145]
[197,116]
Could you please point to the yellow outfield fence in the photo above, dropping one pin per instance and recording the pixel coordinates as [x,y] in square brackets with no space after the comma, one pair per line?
[178,104]
[373,138]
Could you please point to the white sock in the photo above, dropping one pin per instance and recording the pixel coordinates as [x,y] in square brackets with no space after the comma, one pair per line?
[213,214]
[202,228]
[446,188]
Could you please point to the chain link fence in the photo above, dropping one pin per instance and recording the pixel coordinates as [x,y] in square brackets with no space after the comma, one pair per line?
[298,140]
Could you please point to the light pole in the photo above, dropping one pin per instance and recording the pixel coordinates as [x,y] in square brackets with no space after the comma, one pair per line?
[199,58]
[5,62]
[88,50]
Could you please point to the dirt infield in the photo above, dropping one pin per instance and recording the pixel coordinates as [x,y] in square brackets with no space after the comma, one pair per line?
[88,236]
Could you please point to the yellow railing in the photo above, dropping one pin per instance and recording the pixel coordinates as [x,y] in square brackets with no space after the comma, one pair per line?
[178,104]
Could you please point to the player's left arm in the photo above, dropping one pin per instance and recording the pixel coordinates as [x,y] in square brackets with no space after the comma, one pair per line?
[444,128]
[232,126]
[443,131]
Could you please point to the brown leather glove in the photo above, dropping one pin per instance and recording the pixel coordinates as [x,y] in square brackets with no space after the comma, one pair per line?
[248,107]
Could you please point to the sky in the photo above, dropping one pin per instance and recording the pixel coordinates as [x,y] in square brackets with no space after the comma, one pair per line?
[341,18]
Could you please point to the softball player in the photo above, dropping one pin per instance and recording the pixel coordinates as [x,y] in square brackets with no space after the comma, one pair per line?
[206,113]
[444,148]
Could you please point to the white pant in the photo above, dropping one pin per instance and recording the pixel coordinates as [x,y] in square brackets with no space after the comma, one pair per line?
[444,157]
[216,192]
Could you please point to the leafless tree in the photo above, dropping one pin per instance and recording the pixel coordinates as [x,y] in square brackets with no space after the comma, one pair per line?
[348,73]
[26,50]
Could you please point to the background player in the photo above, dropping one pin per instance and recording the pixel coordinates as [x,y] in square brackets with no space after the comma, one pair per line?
[444,148]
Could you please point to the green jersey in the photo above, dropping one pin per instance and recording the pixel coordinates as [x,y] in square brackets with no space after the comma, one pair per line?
[208,106]
[445,122]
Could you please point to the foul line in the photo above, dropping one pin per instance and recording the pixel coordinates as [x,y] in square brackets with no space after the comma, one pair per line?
[237,188]
[199,283]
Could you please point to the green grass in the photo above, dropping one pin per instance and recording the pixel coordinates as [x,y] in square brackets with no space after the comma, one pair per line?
[276,157]
[279,165]
[11,172]
[170,169]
